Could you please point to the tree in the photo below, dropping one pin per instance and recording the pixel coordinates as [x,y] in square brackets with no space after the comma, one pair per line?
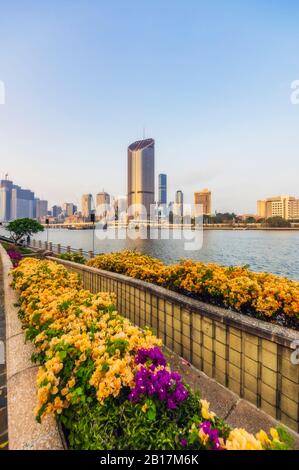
[20,228]
[250,220]
[225,218]
[277,222]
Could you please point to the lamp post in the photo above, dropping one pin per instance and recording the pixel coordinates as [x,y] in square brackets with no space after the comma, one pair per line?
[47,224]
[92,220]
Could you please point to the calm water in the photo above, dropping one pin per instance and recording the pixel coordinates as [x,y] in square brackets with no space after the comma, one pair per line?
[276,252]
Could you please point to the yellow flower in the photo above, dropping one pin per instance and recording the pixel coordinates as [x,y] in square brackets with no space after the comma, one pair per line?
[274,434]
[239,439]
[144,408]
[203,437]
[263,438]
[206,414]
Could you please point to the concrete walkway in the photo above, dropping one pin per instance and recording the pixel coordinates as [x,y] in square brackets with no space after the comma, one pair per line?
[3,388]
[237,412]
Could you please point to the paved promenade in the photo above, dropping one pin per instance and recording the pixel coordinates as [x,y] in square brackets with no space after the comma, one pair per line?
[226,404]
[3,400]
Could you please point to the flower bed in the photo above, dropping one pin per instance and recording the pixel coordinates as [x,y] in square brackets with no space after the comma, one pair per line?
[106,380]
[15,252]
[262,295]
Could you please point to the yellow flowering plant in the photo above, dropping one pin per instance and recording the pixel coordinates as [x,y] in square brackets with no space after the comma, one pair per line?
[95,366]
[263,295]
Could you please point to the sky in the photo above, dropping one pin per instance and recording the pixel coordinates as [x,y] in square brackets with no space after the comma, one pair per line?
[209,80]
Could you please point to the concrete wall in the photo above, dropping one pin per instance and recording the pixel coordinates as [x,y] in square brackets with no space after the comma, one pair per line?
[250,357]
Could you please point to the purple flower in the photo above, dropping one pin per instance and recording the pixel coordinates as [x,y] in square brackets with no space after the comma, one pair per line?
[213,434]
[162,384]
[14,255]
[153,355]
[184,442]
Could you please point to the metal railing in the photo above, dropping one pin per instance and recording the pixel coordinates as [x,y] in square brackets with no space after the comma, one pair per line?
[59,249]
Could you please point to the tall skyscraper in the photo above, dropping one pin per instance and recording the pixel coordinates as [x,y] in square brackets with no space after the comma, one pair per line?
[69,209]
[56,211]
[141,178]
[102,204]
[162,199]
[203,198]
[120,208]
[18,203]
[41,207]
[179,204]
[86,206]
[5,199]
[22,203]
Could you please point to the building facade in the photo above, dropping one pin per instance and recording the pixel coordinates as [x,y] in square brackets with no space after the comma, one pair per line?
[283,206]
[203,199]
[22,203]
[86,206]
[69,209]
[41,208]
[5,200]
[162,197]
[141,178]
[179,204]
[102,204]
[56,211]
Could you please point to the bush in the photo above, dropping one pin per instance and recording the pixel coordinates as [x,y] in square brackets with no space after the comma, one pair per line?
[106,380]
[277,222]
[74,257]
[13,251]
[266,296]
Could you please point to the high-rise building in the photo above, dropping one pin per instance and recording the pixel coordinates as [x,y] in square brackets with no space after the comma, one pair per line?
[5,199]
[17,203]
[179,204]
[56,211]
[120,208]
[141,178]
[86,206]
[41,208]
[102,204]
[22,203]
[69,209]
[162,198]
[283,206]
[204,200]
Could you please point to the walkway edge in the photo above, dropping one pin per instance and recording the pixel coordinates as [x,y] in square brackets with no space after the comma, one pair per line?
[24,433]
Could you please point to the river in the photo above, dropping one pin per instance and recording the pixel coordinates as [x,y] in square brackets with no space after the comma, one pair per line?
[272,251]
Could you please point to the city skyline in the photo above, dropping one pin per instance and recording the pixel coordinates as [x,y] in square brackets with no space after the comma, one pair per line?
[221,85]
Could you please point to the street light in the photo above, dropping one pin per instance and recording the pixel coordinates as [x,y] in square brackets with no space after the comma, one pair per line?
[92,220]
[47,224]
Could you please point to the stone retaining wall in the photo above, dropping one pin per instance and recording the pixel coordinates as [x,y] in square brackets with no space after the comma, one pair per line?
[24,433]
[250,357]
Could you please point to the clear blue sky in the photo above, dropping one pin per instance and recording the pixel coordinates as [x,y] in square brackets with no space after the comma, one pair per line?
[209,80]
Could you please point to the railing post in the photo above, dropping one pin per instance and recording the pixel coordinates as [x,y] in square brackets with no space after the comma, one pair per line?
[81,251]
[58,249]
[91,254]
[39,243]
[46,245]
[68,249]
[33,243]
[50,246]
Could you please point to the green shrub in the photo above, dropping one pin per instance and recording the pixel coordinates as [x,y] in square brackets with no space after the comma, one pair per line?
[74,257]
[119,424]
